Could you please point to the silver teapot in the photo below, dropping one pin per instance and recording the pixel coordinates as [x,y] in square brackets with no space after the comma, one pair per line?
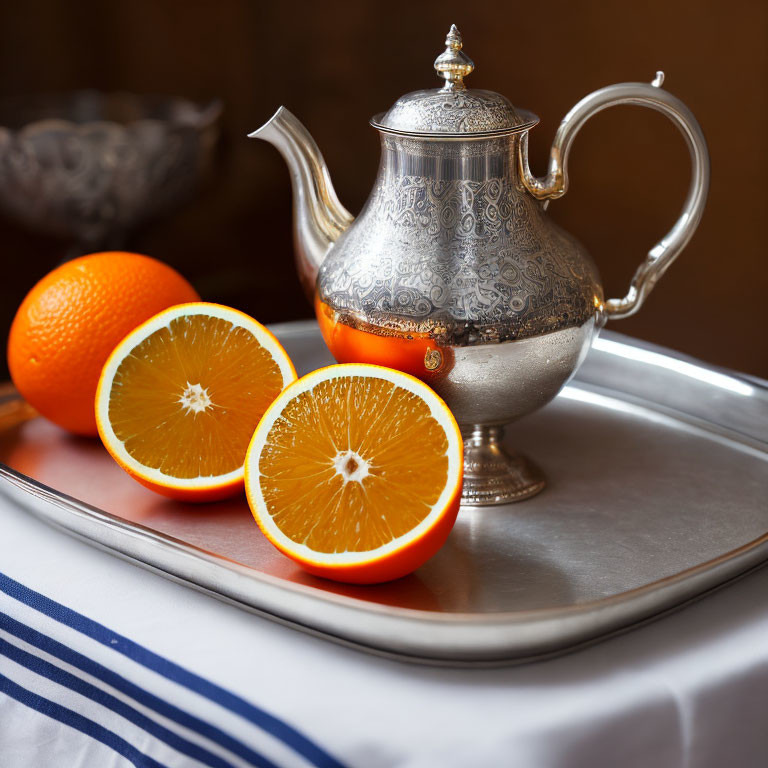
[453,272]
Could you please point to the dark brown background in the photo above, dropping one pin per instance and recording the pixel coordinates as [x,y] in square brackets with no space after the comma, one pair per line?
[335,65]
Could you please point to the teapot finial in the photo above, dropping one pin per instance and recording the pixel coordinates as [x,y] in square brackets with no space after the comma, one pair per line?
[453,65]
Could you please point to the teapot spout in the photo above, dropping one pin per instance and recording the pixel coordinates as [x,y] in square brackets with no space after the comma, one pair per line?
[318,216]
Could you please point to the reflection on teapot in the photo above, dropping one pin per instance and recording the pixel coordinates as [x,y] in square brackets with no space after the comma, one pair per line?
[453,272]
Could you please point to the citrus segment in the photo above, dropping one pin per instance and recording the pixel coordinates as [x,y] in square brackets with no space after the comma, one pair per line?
[180,396]
[355,473]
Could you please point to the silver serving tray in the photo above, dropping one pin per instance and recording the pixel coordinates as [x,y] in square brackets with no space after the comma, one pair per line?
[658,493]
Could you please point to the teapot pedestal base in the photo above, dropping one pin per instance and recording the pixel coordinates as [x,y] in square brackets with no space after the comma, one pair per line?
[493,475]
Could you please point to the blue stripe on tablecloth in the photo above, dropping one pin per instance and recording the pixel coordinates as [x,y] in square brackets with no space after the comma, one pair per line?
[62,677]
[78,722]
[121,644]
[119,683]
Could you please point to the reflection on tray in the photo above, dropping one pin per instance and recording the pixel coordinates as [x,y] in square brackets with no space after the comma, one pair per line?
[568,547]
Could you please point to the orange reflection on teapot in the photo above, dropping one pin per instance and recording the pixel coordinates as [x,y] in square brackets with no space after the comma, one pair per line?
[414,353]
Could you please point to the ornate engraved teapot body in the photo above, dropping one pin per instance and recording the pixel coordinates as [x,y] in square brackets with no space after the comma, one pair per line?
[453,272]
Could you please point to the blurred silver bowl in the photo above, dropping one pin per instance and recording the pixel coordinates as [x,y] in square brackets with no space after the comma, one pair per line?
[93,166]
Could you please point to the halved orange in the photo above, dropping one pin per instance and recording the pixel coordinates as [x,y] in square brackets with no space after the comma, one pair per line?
[355,473]
[180,396]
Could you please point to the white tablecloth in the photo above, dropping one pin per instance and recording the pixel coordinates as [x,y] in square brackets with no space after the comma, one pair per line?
[105,664]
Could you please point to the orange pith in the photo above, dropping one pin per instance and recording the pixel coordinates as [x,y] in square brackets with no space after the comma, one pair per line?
[353,476]
[348,416]
[181,396]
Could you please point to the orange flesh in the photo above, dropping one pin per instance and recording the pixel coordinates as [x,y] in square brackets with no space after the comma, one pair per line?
[228,378]
[352,464]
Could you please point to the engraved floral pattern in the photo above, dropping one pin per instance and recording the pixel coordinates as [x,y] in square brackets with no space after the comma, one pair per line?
[459,111]
[467,261]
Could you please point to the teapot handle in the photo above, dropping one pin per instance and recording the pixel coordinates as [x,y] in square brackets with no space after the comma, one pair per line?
[555,183]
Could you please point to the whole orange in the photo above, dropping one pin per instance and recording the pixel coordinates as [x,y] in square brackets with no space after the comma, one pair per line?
[69,323]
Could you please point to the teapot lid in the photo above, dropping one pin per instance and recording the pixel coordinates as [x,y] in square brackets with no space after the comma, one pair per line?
[453,110]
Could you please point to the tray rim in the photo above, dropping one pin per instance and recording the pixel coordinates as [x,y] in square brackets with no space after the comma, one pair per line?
[81,519]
